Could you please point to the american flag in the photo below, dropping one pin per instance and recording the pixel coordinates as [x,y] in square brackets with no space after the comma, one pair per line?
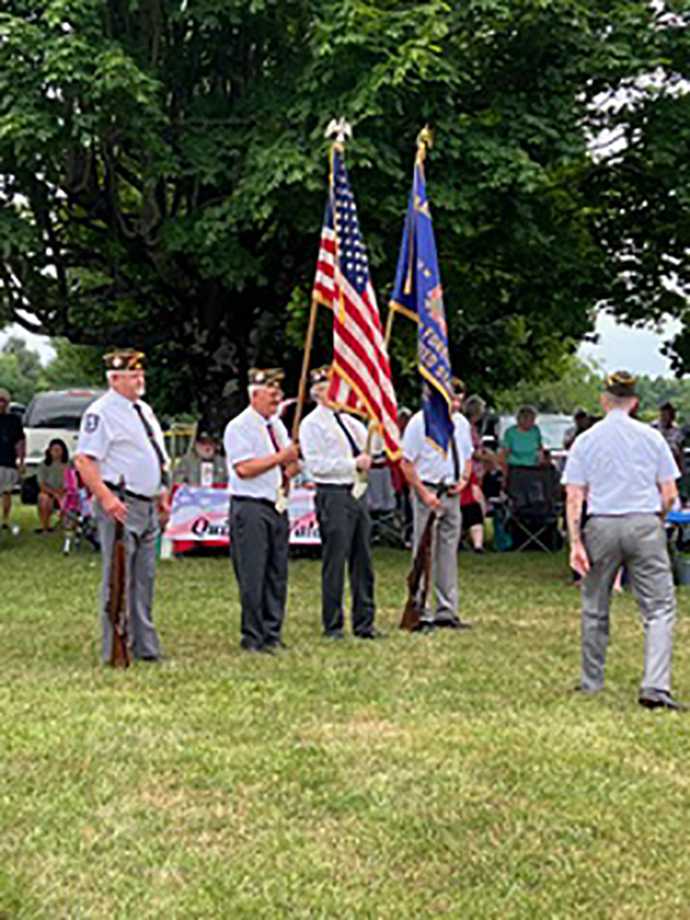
[361,379]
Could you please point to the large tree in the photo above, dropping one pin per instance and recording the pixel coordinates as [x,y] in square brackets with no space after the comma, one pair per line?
[163,170]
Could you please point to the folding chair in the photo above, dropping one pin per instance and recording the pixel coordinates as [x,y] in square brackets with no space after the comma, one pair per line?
[386,515]
[533,507]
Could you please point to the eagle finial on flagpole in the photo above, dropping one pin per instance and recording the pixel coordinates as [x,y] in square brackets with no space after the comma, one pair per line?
[340,130]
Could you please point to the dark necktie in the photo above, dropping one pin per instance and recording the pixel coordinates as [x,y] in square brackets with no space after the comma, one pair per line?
[456,459]
[154,443]
[350,440]
[277,448]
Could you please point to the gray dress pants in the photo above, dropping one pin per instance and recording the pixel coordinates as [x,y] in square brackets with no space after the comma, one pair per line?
[259,553]
[141,533]
[345,528]
[444,556]
[637,541]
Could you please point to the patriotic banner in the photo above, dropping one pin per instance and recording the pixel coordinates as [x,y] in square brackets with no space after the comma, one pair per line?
[361,379]
[418,294]
[201,515]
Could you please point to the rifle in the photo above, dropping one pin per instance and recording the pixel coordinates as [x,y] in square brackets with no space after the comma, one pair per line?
[414,608]
[120,653]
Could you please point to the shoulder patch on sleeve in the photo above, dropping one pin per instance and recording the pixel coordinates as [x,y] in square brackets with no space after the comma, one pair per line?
[91,422]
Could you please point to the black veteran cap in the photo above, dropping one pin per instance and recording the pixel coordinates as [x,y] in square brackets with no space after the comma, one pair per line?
[125,359]
[621,384]
[457,386]
[266,377]
[320,375]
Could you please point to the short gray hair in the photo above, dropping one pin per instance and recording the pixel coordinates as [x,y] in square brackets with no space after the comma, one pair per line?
[475,405]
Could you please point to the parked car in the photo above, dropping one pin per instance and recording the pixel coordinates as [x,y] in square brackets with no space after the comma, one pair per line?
[53,414]
[17,409]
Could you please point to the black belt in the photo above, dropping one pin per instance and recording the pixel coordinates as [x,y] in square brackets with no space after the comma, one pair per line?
[128,493]
[334,486]
[438,487]
[248,498]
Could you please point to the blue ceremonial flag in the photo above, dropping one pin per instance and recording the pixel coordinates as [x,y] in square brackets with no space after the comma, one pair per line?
[418,294]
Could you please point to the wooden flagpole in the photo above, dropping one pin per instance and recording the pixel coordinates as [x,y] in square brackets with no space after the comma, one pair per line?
[339,130]
[302,393]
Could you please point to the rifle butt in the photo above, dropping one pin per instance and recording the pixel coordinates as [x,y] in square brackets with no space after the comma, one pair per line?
[411,617]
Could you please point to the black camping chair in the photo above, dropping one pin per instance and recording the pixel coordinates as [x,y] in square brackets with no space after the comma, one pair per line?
[533,507]
[386,514]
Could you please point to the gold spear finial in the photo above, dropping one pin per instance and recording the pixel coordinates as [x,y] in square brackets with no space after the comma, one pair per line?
[425,140]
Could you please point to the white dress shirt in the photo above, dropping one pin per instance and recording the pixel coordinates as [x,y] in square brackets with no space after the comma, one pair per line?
[113,434]
[326,449]
[429,463]
[622,462]
[247,438]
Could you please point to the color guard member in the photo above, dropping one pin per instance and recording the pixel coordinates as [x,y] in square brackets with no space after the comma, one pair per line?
[436,482]
[261,461]
[121,442]
[626,472]
[333,445]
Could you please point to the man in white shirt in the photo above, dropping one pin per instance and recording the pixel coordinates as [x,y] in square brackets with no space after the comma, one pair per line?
[333,445]
[436,481]
[626,472]
[261,461]
[121,447]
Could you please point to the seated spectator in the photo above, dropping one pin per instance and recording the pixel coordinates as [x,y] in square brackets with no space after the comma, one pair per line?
[51,478]
[203,465]
[473,509]
[522,443]
[671,433]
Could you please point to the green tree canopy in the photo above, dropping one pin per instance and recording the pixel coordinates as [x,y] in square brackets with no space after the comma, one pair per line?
[163,170]
[573,383]
[20,369]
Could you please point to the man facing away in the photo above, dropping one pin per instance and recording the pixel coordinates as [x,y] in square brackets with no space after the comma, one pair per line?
[436,481]
[333,445]
[121,446]
[261,461]
[626,473]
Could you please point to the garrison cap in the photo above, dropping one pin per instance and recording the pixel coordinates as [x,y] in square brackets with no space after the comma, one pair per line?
[320,375]
[621,384]
[266,377]
[125,359]
[205,435]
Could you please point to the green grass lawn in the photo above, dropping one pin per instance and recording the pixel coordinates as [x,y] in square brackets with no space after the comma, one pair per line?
[446,775]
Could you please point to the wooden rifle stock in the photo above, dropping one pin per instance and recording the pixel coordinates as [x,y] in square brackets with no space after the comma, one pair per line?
[421,567]
[120,652]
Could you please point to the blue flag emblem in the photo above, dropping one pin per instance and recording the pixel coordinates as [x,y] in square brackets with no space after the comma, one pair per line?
[418,294]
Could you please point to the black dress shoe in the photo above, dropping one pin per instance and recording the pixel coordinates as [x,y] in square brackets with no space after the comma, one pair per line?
[424,626]
[452,624]
[369,634]
[655,700]
[255,649]
[334,634]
